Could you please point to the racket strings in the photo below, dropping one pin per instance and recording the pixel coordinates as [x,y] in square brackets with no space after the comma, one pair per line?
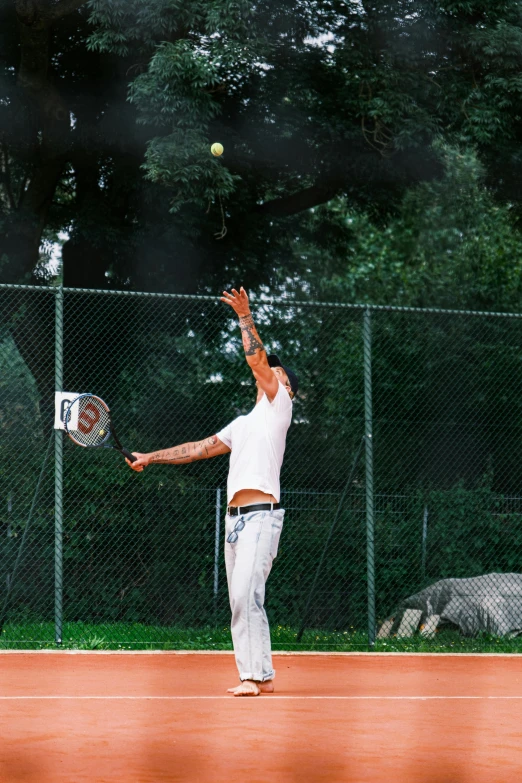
[88,421]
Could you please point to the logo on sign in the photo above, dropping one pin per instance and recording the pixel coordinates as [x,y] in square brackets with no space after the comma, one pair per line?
[63,408]
[62,401]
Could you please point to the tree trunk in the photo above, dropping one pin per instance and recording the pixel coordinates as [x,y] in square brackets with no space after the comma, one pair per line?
[21,239]
[20,243]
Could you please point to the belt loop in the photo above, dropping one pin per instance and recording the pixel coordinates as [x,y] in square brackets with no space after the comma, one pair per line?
[271,507]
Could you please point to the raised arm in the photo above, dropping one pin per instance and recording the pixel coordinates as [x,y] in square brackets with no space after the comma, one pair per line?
[254,349]
[180,455]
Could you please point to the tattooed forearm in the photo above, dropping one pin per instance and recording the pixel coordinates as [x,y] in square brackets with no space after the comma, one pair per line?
[168,456]
[251,340]
[187,452]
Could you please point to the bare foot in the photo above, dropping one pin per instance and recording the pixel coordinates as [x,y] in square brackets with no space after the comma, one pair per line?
[266,687]
[252,688]
[246,688]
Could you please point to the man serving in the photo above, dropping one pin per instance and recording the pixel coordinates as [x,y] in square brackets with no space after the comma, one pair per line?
[254,519]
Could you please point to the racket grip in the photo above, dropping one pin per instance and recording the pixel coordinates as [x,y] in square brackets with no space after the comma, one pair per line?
[129,456]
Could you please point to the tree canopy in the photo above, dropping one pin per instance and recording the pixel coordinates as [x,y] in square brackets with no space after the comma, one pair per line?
[341,121]
[372,153]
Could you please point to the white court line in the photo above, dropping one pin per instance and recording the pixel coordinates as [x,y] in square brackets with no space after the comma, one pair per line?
[272,698]
[275,653]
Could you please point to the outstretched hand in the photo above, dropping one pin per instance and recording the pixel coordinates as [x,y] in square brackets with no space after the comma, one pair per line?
[238,301]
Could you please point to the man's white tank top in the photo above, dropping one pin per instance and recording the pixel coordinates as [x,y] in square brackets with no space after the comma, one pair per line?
[257,442]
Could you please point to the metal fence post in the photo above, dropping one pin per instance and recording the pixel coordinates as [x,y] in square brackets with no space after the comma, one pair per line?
[216,543]
[58,473]
[424,542]
[370,521]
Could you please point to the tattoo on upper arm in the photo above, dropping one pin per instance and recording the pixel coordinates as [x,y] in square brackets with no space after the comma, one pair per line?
[251,339]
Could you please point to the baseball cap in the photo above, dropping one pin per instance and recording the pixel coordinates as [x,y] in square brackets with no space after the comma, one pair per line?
[274,361]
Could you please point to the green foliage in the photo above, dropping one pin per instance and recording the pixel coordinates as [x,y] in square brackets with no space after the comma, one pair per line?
[405,79]
[450,245]
[402,117]
[119,24]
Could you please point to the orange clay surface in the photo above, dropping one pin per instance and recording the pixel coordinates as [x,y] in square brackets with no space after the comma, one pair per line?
[140,718]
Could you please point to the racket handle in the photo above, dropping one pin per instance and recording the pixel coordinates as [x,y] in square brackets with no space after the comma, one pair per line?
[129,456]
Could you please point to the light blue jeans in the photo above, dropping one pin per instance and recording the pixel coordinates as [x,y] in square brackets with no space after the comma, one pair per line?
[248,562]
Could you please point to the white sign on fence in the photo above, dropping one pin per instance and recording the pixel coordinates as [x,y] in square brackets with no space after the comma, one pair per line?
[62,400]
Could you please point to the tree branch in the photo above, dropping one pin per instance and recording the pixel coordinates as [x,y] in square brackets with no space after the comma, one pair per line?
[42,14]
[64,8]
[297,202]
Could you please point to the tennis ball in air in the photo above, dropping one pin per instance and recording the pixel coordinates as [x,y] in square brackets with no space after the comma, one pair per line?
[217,149]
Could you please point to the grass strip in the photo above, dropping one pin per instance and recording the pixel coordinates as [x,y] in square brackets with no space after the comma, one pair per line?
[137,636]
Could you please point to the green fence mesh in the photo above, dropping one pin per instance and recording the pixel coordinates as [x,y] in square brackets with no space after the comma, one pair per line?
[428,535]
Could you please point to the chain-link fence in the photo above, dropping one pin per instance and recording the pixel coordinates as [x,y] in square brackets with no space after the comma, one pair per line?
[90,549]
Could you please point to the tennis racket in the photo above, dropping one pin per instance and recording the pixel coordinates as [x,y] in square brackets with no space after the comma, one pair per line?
[88,423]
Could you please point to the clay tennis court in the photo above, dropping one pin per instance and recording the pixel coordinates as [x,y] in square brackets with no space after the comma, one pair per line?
[150,717]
